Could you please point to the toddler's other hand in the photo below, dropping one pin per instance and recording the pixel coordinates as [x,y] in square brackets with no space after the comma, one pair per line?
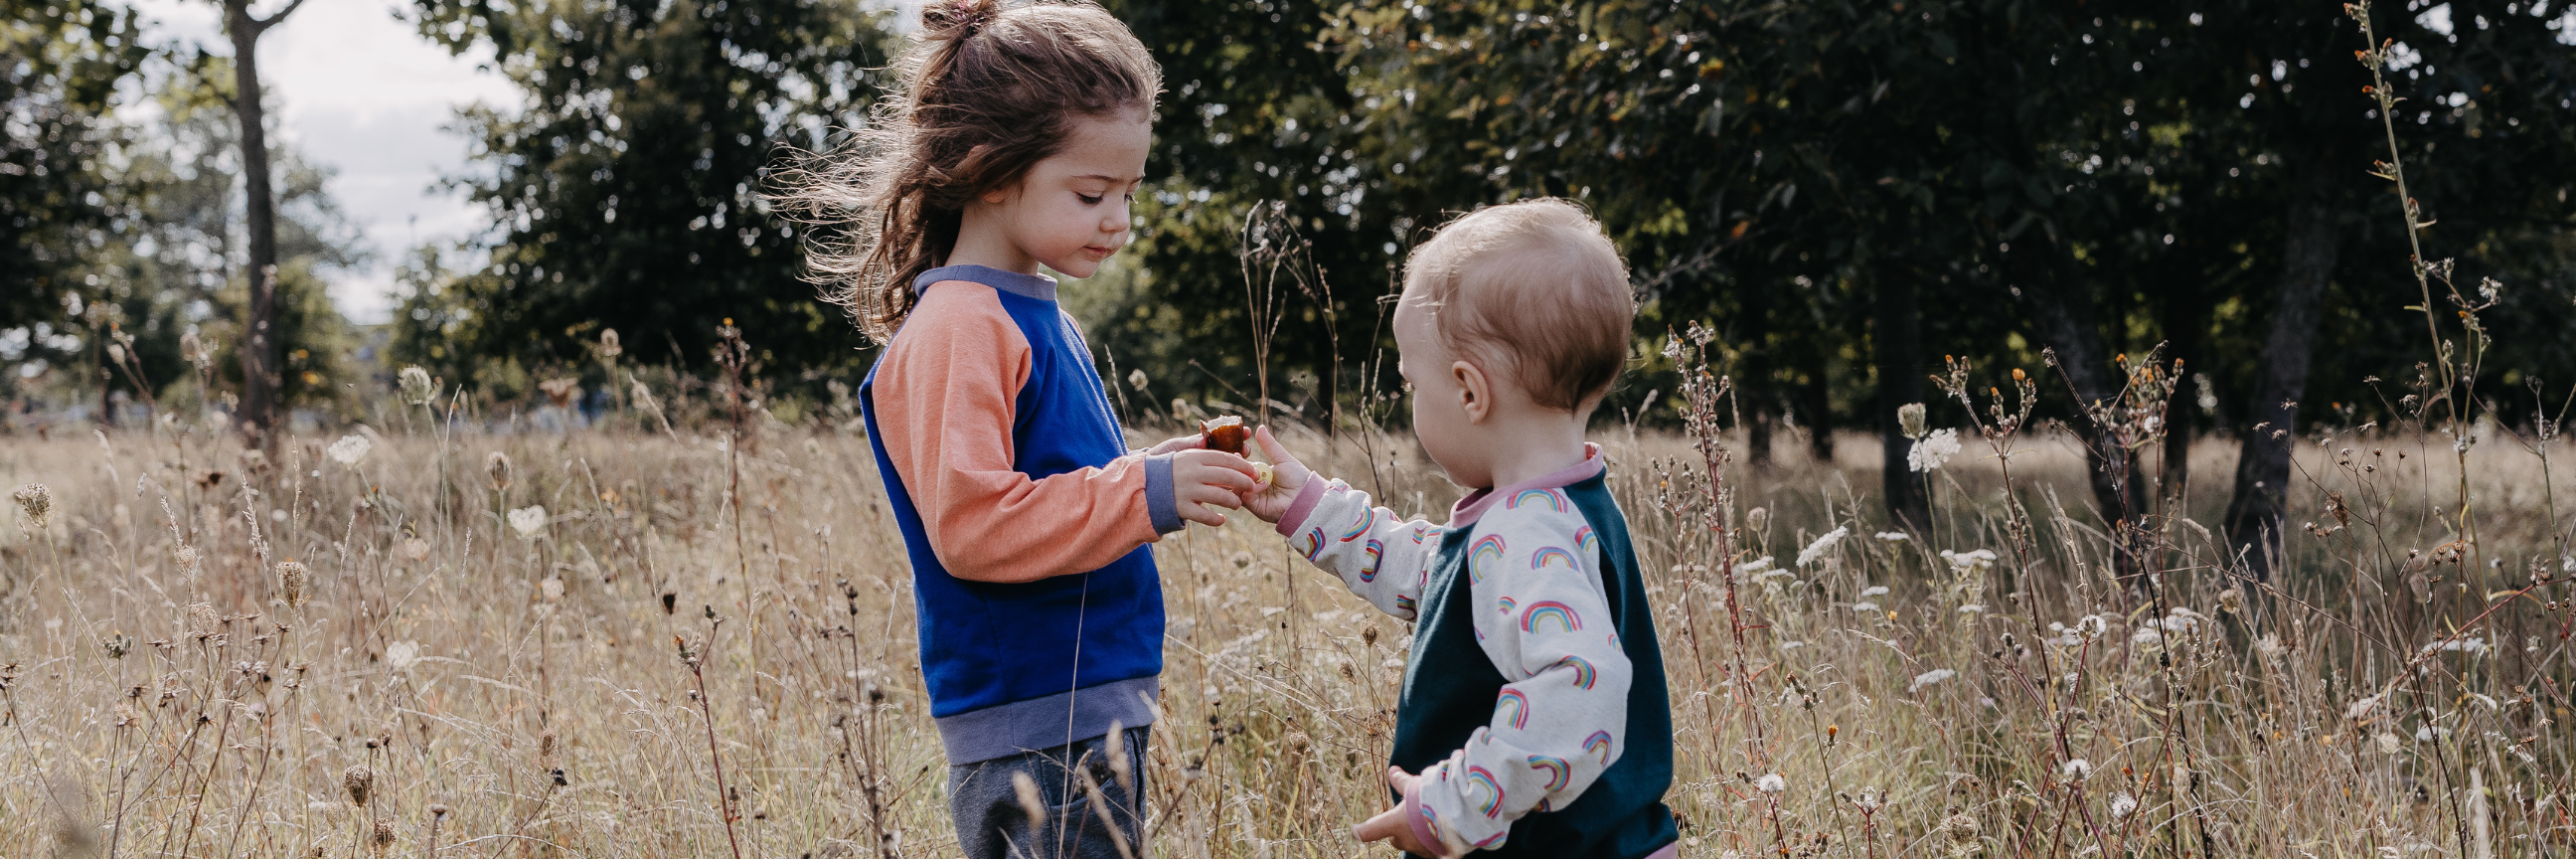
[1287,478]
[1202,479]
[1176,445]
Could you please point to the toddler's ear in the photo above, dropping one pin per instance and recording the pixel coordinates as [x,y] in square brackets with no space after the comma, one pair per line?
[1475,391]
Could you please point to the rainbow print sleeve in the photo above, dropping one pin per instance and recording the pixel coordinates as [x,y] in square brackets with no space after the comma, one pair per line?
[1534,568]
[1384,558]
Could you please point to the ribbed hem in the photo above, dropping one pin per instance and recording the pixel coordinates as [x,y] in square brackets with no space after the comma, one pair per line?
[1472,507]
[1421,825]
[1160,503]
[1670,850]
[1044,723]
[1304,506]
[1035,286]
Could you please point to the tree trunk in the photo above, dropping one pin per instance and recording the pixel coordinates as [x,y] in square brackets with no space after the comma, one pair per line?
[2185,319]
[2063,314]
[2312,245]
[1815,403]
[261,363]
[1898,347]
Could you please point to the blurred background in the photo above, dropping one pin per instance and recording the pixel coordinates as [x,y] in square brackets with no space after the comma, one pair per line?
[1848,193]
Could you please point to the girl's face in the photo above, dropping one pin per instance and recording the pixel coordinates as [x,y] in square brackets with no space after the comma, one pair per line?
[1071,210]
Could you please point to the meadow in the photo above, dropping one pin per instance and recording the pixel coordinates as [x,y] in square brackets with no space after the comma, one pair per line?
[421,638]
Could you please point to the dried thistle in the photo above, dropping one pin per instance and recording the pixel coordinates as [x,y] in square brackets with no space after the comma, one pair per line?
[497,467]
[360,782]
[292,579]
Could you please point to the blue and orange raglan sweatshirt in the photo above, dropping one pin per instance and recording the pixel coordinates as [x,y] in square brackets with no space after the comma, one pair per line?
[1024,515]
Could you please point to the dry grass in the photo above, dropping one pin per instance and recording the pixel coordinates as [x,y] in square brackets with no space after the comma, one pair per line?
[518,694]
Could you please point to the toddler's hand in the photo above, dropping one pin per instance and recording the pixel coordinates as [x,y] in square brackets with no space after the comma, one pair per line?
[1175,445]
[1390,825]
[1202,479]
[1287,478]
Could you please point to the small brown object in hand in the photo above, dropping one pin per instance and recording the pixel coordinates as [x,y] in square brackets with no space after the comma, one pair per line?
[1226,434]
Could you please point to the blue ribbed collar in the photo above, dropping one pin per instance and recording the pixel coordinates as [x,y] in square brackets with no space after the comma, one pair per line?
[1037,286]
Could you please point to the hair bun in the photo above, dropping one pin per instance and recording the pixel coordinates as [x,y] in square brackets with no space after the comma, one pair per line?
[957,19]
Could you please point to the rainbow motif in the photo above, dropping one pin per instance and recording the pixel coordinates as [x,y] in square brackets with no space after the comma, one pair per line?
[1544,610]
[1559,773]
[1404,604]
[1368,517]
[1554,555]
[1512,702]
[1549,497]
[1488,552]
[1417,535]
[1598,743]
[1585,540]
[1376,553]
[1583,671]
[1314,543]
[1481,782]
[1491,840]
[1430,818]
[1506,604]
[1545,806]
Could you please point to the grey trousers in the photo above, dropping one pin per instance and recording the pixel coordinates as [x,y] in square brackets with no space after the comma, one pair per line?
[993,822]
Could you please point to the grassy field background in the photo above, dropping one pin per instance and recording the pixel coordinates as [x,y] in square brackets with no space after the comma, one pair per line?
[214,654]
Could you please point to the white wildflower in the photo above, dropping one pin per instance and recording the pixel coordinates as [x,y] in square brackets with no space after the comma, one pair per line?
[1976,560]
[1822,545]
[402,655]
[1772,783]
[1929,678]
[528,521]
[1894,536]
[1933,450]
[2078,769]
[1972,608]
[349,449]
[1864,606]
[2092,626]
[2122,805]
[2146,635]
[2362,708]
[2388,743]
[1754,566]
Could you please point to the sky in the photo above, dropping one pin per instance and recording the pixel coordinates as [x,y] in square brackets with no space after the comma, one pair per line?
[359,90]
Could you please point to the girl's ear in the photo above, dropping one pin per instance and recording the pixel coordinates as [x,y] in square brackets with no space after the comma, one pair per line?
[1475,392]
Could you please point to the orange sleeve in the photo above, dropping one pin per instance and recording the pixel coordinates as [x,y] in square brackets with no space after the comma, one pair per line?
[945,397]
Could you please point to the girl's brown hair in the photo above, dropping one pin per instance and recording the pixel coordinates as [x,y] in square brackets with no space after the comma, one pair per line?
[986,93]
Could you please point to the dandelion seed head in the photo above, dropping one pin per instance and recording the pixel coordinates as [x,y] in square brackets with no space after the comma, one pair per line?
[1772,783]
[2077,769]
[2122,805]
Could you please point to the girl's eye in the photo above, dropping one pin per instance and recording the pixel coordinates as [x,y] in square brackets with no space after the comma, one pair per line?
[1088,199]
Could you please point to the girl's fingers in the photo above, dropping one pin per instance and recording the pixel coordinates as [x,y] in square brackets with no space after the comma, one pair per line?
[1270,446]
[1199,513]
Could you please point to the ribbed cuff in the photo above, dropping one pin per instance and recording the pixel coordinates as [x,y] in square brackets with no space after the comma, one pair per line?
[1299,509]
[1160,503]
[1413,816]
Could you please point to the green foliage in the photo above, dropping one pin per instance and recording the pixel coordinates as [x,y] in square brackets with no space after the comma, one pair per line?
[63,59]
[626,193]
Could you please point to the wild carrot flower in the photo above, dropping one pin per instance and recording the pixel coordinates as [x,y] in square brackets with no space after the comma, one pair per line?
[35,506]
[360,782]
[1772,783]
[292,579]
[417,388]
[1933,450]
[402,655]
[1930,678]
[1961,828]
[348,450]
[1894,536]
[1822,545]
[1909,419]
[528,521]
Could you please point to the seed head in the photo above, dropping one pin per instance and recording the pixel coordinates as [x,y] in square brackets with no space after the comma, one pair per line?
[35,506]
[192,349]
[1756,519]
[382,838]
[497,467]
[439,809]
[1772,783]
[1961,828]
[528,521]
[292,577]
[547,748]
[2078,769]
[202,621]
[360,782]
[1909,419]
[609,347]
[417,387]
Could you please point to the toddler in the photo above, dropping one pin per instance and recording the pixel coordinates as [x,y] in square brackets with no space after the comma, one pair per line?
[1534,720]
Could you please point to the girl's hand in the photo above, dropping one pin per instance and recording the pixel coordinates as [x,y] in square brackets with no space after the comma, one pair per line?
[1202,479]
[1390,825]
[1175,445]
[1287,478]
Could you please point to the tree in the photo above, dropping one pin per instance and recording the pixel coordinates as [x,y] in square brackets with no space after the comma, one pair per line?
[626,193]
[261,365]
[65,59]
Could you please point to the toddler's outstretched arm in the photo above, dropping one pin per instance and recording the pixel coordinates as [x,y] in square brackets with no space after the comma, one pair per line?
[1382,557]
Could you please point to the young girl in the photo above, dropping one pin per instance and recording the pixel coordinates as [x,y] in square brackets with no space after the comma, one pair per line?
[1017,142]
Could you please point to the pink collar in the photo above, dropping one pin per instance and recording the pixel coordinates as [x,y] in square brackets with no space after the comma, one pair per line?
[1474,505]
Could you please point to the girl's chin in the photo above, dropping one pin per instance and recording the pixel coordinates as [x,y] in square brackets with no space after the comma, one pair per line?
[1079,267]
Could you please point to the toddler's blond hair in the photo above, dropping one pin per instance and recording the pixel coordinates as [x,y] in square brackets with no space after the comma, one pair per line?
[1535,292]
